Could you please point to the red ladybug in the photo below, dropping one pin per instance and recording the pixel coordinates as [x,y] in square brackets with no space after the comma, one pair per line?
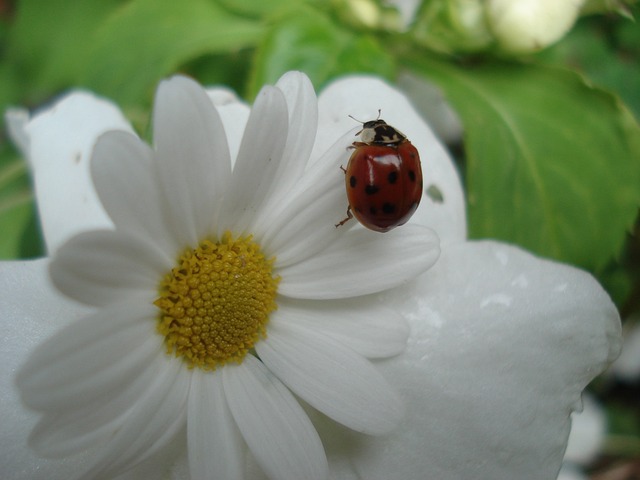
[383,178]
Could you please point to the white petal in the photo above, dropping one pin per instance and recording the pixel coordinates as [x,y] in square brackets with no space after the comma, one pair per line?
[305,223]
[588,430]
[234,114]
[362,262]
[91,422]
[364,324]
[258,161]
[162,464]
[101,267]
[430,102]
[331,377]
[17,120]
[627,366]
[407,10]
[570,472]
[60,142]
[302,106]
[154,422]
[90,359]
[502,344]
[353,96]
[216,449]
[125,178]
[193,158]
[276,429]
[31,311]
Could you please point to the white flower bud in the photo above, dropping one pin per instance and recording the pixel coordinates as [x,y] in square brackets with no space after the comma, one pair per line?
[523,26]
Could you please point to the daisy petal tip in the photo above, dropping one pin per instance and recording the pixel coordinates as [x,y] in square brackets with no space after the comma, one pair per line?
[17,120]
[177,89]
[109,143]
[293,79]
[179,81]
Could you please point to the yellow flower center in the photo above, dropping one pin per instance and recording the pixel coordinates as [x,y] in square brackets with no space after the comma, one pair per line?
[215,303]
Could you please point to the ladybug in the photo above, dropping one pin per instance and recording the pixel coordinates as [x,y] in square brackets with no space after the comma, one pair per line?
[383,178]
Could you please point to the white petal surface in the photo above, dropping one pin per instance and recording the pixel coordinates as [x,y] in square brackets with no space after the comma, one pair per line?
[101,267]
[154,421]
[502,345]
[258,161]
[60,142]
[570,472]
[216,449]
[17,120]
[364,324]
[361,262]
[302,107]
[234,114]
[90,359]
[428,99]
[627,367]
[588,432]
[162,464]
[92,422]
[330,377]
[126,181]
[277,430]
[362,97]
[305,223]
[31,311]
[193,158]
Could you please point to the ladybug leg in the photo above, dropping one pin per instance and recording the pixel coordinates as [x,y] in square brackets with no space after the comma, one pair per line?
[349,217]
[355,145]
[343,169]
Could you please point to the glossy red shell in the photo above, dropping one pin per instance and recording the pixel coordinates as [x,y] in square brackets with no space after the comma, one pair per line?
[384,184]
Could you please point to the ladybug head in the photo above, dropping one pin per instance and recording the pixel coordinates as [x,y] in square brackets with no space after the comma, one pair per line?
[379,132]
[370,129]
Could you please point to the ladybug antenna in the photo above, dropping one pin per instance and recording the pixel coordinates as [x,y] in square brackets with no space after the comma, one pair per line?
[360,121]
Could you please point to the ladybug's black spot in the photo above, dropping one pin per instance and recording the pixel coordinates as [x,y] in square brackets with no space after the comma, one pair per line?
[412,175]
[352,181]
[373,210]
[392,177]
[388,208]
[371,189]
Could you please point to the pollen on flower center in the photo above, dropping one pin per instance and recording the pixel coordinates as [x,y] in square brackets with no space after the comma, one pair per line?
[215,303]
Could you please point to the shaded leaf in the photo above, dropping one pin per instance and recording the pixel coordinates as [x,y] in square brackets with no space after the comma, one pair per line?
[149,39]
[310,41]
[553,163]
[20,237]
[49,41]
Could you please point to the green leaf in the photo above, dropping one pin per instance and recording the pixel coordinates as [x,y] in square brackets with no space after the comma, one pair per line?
[553,164]
[255,8]
[607,52]
[148,39]
[308,40]
[20,237]
[49,41]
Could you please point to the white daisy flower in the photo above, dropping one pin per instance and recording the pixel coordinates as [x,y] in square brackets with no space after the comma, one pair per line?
[218,289]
